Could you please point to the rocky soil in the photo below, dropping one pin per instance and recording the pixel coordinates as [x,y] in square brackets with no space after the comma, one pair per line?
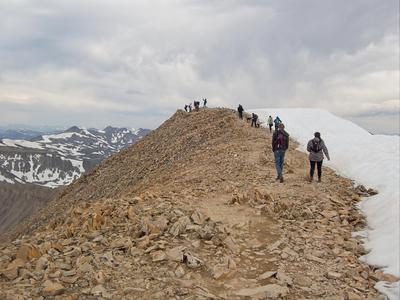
[193,211]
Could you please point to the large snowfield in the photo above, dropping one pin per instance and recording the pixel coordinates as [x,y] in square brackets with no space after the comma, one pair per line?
[371,160]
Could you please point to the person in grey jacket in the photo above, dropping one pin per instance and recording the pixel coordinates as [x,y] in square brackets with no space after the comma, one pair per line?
[317,149]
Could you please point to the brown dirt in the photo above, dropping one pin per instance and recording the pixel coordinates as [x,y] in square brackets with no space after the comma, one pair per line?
[214,164]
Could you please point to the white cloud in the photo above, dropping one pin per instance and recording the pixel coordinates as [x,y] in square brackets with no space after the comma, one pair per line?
[150,57]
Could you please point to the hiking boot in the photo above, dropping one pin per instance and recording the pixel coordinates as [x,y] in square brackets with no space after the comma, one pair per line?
[310,179]
[277,178]
[281,179]
[319,179]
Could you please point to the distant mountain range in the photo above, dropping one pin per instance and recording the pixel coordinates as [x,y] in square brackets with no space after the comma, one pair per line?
[53,160]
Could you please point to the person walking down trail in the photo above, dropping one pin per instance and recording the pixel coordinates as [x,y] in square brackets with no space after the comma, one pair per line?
[240,111]
[277,121]
[254,119]
[280,143]
[317,149]
[270,123]
[205,102]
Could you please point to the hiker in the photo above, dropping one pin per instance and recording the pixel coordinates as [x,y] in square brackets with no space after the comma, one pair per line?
[317,149]
[196,105]
[205,102]
[280,143]
[277,121]
[186,107]
[254,119]
[190,107]
[270,123]
[240,111]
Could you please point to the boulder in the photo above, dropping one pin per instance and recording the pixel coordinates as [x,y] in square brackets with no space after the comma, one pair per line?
[231,244]
[11,272]
[266,275]
[284,278]
[176,254]
[27,251]
[100,277]
[42,263]
[333,275]
[52,288]
[158,256]
[269,290]
[179,226]
[191,260]
[122,243]
[198,218]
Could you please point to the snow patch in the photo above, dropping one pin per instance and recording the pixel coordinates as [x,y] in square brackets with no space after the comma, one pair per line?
[372,160]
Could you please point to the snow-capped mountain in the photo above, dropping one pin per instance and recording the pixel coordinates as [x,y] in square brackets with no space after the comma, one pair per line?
[57,159]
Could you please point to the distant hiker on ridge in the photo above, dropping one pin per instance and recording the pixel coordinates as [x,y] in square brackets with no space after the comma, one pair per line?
[317,148]
[196,105]
[240,111]
[205,102]
[254,119]
[277,121]
[280,143]
[186,107]
[270,123]
[190,107]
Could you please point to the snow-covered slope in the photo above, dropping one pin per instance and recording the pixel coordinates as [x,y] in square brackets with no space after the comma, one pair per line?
[372,160]
[58,159]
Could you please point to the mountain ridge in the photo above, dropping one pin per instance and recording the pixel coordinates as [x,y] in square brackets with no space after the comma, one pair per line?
[56,159]
[193,211]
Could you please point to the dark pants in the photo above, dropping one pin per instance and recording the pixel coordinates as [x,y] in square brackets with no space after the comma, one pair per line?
[241,114]
[253,122]
[270,127]
[312,168]
[279,159]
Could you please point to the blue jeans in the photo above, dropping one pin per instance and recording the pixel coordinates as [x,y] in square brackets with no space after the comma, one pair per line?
[279,159]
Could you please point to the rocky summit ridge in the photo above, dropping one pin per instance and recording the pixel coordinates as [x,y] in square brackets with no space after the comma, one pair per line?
[193,211]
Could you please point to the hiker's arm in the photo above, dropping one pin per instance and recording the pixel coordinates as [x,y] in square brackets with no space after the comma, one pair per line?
[309,148]
[273,140]
[287,141]
[326,152]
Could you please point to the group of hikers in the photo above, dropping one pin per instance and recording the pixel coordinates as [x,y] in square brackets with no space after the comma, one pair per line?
[280,143]
[196,105]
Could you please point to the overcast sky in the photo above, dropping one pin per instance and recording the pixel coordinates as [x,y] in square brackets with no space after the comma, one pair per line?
[133,63]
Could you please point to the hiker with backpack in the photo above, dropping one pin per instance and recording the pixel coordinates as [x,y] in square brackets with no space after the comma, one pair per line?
[280,143]
[240,111]
[317,149]
[254,119]
[277,121]
[270,123]
[196,105]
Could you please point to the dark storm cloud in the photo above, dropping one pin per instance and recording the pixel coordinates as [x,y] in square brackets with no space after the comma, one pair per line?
[136,58]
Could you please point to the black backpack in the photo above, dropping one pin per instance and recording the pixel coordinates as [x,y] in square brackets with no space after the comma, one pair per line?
[316,146]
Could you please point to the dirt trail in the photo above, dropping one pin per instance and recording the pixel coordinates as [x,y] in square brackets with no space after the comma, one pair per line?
[193,211]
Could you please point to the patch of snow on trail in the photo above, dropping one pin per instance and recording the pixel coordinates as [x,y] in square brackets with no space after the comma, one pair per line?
[371,160]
